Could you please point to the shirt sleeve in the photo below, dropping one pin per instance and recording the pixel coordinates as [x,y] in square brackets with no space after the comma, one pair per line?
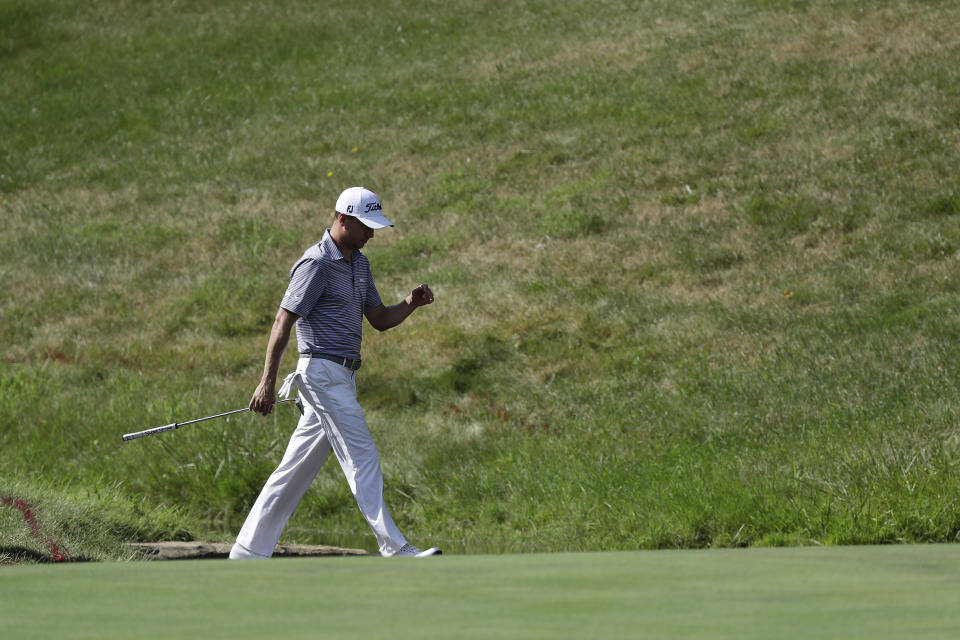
[373,296]
[307,282]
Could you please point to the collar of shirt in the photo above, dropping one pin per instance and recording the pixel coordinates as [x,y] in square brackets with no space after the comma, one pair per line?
[330,248]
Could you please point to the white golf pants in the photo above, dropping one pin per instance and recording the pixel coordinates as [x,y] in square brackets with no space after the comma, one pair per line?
[332,420]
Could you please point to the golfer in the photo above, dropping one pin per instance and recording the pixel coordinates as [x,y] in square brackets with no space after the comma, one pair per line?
[331,289]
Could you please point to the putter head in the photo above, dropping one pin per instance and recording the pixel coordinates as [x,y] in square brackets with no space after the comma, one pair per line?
[299,404]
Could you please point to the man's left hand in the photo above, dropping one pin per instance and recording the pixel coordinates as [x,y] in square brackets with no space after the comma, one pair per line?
[421,296]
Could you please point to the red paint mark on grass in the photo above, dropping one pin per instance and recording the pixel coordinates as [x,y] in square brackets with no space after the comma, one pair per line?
[57,553]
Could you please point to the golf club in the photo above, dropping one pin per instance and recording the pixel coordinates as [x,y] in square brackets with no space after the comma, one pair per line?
[177,425]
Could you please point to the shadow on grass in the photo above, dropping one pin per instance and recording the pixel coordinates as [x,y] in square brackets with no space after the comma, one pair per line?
[21,555]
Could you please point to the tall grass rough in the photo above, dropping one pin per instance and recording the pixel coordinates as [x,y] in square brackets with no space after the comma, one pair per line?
[695,263]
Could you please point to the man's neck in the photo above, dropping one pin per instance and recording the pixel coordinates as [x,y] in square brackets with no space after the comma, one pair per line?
[338,240]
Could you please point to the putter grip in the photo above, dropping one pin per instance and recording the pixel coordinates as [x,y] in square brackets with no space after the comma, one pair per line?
[150,432]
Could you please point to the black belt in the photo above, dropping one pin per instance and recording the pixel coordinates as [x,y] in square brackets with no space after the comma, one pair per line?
[353,365]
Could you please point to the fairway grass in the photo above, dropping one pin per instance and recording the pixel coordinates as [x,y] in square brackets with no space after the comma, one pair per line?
[814,592]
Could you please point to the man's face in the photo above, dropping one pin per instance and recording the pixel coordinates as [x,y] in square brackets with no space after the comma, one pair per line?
[357,233]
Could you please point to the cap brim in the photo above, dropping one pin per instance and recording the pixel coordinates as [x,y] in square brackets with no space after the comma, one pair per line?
[374,222]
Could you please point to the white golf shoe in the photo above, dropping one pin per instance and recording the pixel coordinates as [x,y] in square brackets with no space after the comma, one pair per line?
[240,552]
[412,551]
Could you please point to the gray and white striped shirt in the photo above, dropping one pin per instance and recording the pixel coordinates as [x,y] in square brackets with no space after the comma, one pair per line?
[329,293]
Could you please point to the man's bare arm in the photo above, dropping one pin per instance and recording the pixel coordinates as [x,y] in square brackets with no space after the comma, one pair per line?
[265,395]
[382,318]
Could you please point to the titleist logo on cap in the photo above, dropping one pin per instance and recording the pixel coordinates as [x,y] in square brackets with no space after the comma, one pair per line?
[370,206]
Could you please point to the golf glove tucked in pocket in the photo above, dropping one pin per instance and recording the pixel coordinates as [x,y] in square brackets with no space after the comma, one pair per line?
[287,387]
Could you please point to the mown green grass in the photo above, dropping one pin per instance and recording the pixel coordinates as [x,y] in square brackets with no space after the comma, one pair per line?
[695,263]
[860,592]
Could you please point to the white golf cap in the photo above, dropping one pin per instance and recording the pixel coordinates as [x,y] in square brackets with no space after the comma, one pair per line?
[364,205]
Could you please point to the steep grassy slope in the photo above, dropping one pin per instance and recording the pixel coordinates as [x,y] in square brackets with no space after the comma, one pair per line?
[695,263]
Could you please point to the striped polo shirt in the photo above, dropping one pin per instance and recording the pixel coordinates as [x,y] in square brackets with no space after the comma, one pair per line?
[329,293]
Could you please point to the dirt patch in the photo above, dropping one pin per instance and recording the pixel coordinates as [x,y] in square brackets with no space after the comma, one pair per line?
[213,550]
[57,552]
